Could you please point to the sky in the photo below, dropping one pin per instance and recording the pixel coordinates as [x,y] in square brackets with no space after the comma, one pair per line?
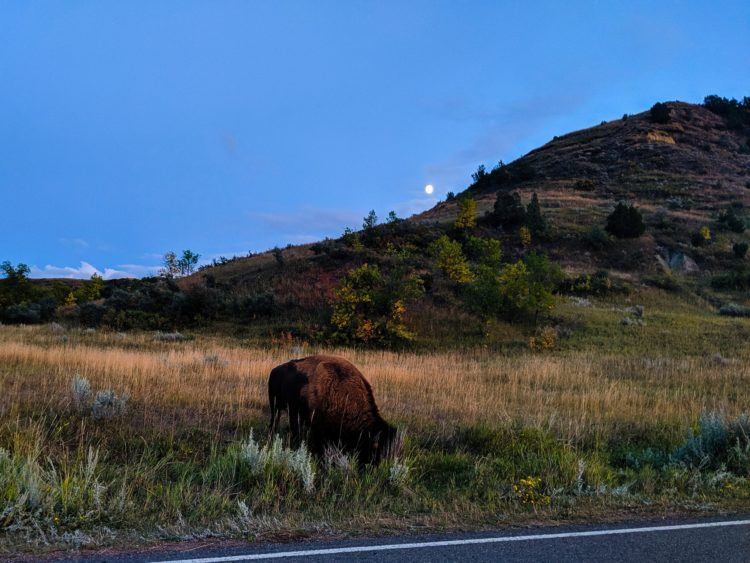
[128,129]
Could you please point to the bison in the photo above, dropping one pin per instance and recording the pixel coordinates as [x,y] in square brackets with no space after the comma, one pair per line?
[330,399]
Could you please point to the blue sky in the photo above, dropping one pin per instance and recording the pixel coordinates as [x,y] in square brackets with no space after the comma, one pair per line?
[131,128]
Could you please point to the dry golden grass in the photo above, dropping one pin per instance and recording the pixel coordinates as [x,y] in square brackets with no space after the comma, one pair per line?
[219,385]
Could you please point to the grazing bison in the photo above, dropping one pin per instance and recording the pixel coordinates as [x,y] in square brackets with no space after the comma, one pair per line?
[331,399]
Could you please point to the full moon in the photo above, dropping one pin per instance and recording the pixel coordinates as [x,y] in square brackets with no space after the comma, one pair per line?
[429,188]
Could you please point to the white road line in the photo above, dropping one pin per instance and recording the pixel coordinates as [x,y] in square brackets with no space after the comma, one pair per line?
[448,543]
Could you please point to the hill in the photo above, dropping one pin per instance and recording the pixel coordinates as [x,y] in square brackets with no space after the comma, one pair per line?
[685,168]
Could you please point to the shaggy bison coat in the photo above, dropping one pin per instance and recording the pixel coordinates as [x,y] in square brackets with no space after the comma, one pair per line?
[331,399]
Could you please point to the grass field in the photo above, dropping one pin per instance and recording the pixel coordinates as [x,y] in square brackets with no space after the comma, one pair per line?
[606,422]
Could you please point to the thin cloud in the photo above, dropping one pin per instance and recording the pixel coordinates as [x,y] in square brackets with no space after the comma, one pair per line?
[78,243]
[86,270]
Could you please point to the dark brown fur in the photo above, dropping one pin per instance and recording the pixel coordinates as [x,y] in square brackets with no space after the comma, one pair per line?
[331,398]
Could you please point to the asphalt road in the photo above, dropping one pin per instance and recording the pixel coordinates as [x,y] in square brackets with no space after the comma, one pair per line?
[705,540]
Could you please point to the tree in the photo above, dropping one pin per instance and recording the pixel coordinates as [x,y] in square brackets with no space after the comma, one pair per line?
[520,288]
[15,287]
[625,222]
[91,290]
[483,251]
[480,174]
[278,255]
[535,221]
[467,214]
[370,220]
[370,308]
[182,266]
[508,211]
[392,218]
[660,113]
[188,262]
[171,267]
[451,260]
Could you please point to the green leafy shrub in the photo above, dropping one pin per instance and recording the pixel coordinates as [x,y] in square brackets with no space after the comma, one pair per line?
[518,289]
[370,308]
[450,259]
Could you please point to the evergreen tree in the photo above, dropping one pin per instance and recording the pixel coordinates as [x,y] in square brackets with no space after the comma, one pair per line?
[509,212]
[535,221]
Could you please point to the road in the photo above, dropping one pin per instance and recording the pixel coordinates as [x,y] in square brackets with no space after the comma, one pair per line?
[705,540]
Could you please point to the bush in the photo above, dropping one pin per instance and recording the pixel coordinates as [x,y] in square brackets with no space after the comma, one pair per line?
[451,260]
[737,279]
[370,308]
[518,289]
[702,237]
[483,250]
[597,238]
[718,444]
[739,249]
[625,222]
[91,314]
[731,221]
[734,310]
[660,113]
[467,214]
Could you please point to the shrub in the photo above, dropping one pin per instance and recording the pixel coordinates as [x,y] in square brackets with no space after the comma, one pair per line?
[483,250]
[660,113]
[91,314]
[518,289]
[701,237]
[735,113]
[717,444]
[467,214]
[274,461]
[739,249]
[736,279]
[734,310]
[508,212]
[451,260]
[107,404]
[625,222]
[524,234]
[371,308]
[597,238]
[731,221]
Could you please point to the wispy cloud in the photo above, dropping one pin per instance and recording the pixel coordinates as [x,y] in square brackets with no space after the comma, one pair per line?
[77,243]
[86,270]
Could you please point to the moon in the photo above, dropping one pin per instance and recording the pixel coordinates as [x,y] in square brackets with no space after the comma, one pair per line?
[428,189]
